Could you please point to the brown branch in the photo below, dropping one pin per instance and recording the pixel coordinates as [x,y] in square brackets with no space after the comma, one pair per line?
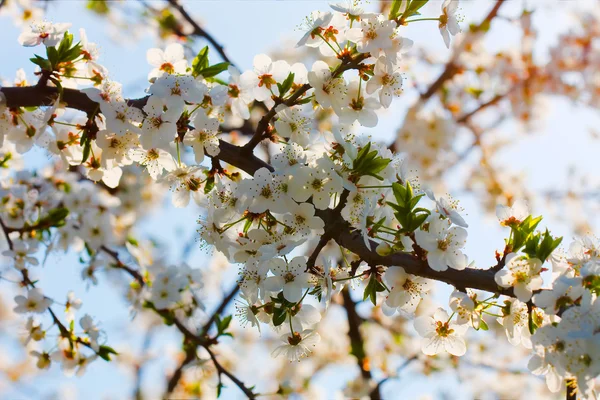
[222,370]
[263,124]
[451,69]
[345,236]
[224,303]
[190,356]
[357,344]
[199,31]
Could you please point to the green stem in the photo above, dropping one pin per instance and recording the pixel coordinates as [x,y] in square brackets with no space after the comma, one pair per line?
[422,19]
[329,44]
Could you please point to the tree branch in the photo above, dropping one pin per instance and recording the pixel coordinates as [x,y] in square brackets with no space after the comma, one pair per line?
[357,343]
[345,236]
[199,31]
[451,68]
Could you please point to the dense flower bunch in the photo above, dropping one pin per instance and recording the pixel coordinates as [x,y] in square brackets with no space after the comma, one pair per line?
[276,219]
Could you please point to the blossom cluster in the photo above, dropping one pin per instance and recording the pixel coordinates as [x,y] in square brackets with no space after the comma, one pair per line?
[277,219]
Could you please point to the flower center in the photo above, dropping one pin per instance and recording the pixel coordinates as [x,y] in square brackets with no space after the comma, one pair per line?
[266,80]
[168,68]
[443,329]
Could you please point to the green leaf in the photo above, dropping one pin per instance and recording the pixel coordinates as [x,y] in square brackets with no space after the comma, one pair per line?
[223,324]
[209,185]
[373,287]
[200,62]
[414,7]
[531,324]
[483,325]
[52,54]
[105,351]
[279,316]
[286,84]
[87,148]
[42,63]
[213,70]
[395,8]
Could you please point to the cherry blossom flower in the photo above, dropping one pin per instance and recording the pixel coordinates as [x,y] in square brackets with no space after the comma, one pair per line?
[440,334]
[185,181]
[292,124]
[448,209]
[239,95]
[564,293]
[359,108]
[35,302]
[388,79]
[406,291]
[22,253]
[449,20]
[44,361]
[314,25]
[176,90]
[297,345]
[265,192]
[302,218]
[90,329]
[170,61]
[34,330]
[350,8]
[329,90]
[516,323]
[463,304]
[43,32]
[443,244]
[203,138]
[289,277]
[155,161]
[374,34]
[318,183]
[514,215]
[72,305]
[264,77]
[522,274]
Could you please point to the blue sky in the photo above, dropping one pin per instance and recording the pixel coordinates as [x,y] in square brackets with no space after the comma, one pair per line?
[247,28]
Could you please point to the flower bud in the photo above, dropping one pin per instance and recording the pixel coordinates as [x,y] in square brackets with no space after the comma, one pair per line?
[384,249]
